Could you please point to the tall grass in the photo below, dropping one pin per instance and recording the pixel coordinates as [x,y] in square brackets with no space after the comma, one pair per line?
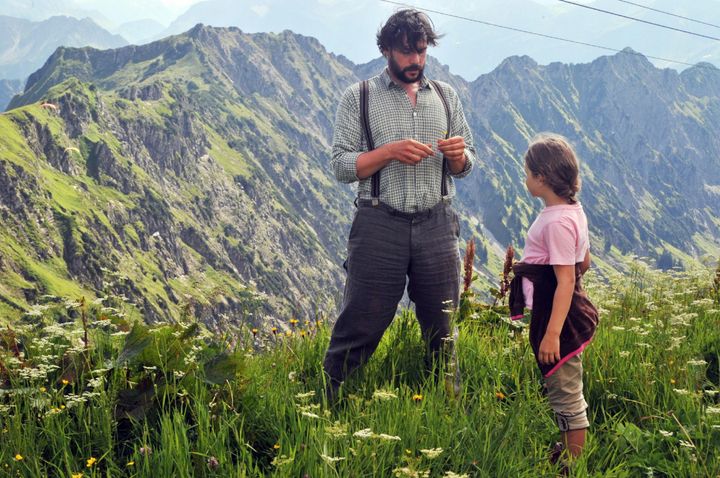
[174,400]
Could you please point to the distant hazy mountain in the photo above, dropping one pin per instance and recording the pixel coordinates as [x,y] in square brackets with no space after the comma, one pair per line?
[108,14]
[25,45]
[8,89]
[472,48]
[140,31]
[193,172]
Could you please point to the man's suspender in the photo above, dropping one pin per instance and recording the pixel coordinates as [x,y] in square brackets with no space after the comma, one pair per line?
[443,184]
[365,122]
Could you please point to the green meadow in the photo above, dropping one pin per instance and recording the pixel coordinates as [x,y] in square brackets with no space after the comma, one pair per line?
[86,392]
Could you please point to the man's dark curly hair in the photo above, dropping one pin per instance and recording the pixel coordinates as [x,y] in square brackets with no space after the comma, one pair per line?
[408,23]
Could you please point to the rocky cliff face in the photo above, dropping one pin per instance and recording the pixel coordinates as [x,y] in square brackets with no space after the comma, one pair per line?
[189,171]
[646,137]
[190,174]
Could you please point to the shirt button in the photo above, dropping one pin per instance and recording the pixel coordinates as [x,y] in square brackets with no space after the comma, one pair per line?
[414,114]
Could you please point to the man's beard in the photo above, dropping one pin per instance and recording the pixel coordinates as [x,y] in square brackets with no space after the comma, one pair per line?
[401,74]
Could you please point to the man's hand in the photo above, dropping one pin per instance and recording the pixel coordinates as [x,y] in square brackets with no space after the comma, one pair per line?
[409,151]
[549,351]
[454,151]
[406,151]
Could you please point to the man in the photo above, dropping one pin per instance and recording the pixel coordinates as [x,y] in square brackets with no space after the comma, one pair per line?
[404,225]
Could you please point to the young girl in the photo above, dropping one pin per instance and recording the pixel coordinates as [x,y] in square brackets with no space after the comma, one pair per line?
[547,280]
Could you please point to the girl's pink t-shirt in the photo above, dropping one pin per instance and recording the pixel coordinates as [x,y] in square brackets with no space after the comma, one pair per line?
[559,236]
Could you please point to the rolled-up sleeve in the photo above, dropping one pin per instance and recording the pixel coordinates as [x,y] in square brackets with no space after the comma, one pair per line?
[347,139]
[460,128]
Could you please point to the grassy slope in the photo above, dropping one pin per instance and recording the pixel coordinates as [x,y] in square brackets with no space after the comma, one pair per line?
[651,379]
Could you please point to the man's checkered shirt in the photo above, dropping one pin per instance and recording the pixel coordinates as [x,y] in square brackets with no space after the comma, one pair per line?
[407,188]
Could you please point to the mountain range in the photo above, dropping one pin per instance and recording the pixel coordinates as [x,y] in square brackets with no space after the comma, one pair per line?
[478,34]
[25,45]
[190,175]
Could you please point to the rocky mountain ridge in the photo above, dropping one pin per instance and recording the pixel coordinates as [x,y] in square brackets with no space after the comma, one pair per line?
[190,175]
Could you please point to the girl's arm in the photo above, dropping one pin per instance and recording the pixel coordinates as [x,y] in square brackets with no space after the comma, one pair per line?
[549,351]
[585,265]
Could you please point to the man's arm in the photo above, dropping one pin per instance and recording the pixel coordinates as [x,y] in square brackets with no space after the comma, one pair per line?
[350,163]
[459,149]
[347,137]
[406,151]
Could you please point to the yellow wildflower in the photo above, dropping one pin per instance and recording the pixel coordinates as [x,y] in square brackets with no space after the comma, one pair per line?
[417,397]
[19,457]
[91,461]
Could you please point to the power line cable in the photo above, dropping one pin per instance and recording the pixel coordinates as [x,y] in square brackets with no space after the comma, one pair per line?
[601,47]
[640,20]
[668,13]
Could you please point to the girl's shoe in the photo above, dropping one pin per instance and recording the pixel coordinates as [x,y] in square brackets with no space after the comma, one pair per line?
[556,453]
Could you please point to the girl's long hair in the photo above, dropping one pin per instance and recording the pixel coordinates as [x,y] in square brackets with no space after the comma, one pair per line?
[552,157]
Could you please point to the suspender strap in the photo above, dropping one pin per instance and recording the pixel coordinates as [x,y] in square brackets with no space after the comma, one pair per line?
[365,120]
[443,184]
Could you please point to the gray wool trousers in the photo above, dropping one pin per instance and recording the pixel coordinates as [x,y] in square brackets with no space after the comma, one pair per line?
[384,248]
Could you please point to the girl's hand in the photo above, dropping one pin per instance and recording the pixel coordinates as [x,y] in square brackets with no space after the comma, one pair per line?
[549,351]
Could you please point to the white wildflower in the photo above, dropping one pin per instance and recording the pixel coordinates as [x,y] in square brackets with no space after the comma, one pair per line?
[364,433]
[409,472]
[697,362]
[383,436]
[702,302]
[624,353]
[305,396]
[452,474]
[712,410]
[666,433]
[686,444]
[336,430]
[681,391]
[331,460]
[383,395]
[432,452]
[281,460]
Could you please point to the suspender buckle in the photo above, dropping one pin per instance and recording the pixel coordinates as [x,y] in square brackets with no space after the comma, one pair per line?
[375,201]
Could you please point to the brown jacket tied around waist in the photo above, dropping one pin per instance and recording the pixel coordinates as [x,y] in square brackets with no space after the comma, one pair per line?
[580,324]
